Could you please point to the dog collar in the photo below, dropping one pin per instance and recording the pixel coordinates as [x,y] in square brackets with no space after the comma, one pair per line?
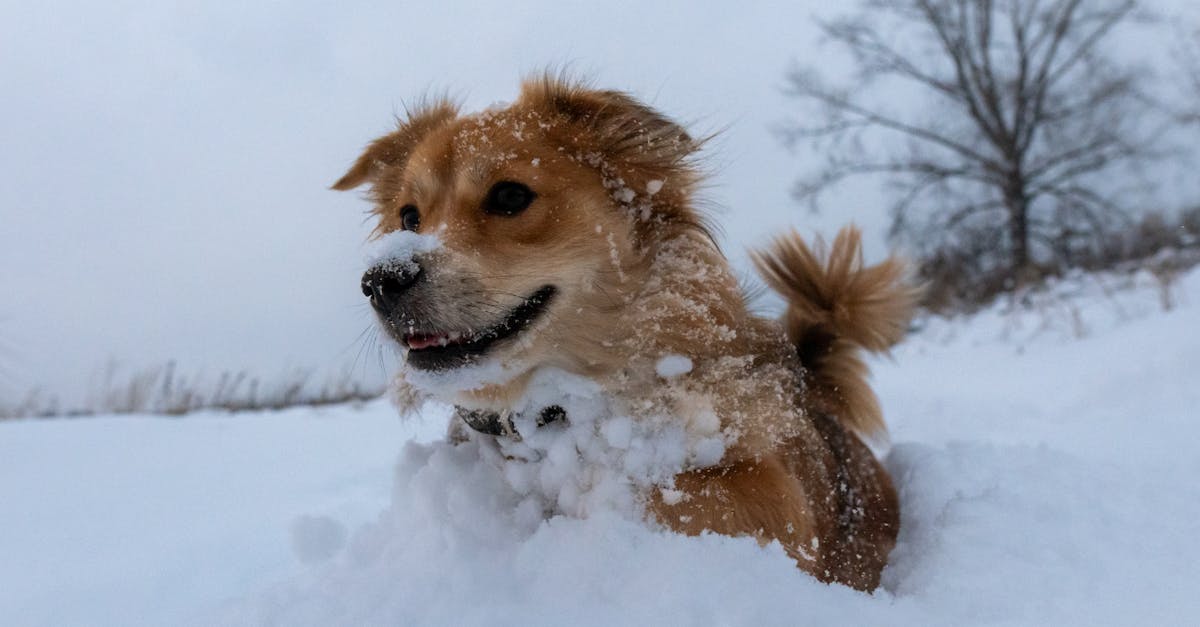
[500,423]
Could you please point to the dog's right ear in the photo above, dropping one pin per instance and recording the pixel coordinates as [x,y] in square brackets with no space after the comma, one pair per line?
[394,148]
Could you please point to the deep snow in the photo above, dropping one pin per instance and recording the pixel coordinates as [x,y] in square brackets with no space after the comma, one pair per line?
[1046,457]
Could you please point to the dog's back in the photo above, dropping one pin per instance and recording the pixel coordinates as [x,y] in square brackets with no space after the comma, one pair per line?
[837,307]
[819,492]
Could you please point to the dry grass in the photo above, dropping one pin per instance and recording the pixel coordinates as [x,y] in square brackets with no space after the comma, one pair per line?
[164,390]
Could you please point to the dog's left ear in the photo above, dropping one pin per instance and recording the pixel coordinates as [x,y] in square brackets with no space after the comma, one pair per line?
[628,132]
[394,148]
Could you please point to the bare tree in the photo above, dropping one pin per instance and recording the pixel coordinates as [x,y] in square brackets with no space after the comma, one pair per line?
[1021,112]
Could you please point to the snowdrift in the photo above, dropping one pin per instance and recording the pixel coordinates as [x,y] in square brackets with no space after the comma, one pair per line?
[1046,457]
[1073,506]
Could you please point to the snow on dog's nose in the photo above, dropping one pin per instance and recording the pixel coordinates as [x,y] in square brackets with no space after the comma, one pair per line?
[392,267]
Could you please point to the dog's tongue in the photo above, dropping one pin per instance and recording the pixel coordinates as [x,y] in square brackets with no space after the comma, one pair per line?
[418,342]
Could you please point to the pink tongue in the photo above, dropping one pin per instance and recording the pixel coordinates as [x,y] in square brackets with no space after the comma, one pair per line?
[417,342]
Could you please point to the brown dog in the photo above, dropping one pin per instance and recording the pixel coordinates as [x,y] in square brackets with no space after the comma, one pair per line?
[570,240]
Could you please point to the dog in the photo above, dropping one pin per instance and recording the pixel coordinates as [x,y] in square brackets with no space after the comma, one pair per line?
[570,239]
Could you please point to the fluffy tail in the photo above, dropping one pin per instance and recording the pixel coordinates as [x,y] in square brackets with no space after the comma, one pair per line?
[836,307]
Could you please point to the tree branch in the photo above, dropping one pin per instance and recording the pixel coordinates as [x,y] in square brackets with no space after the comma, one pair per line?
[847,106]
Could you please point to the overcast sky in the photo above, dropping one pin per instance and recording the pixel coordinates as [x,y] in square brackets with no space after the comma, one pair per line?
[165,165]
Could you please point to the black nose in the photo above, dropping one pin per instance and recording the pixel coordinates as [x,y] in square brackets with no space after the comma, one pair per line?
[385,285]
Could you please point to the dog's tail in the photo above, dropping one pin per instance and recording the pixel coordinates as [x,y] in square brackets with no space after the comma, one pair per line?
[836,307]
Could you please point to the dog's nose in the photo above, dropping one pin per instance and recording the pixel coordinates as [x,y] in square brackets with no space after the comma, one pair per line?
[386,285]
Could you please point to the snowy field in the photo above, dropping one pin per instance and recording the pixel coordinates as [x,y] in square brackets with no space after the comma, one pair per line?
[1047,462]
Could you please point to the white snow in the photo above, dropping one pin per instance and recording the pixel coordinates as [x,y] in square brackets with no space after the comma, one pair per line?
[440,383]
[317,538]
[671,366]
[399,247]
[1046,459]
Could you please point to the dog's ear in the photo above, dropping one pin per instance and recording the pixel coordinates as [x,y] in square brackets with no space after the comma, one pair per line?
[627,131]
[648,155]
[394,148]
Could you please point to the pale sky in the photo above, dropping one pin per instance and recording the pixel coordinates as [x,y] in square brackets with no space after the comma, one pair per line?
[165,165]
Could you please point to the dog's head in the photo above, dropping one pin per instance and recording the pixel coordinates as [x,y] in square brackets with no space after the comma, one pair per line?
[544,212]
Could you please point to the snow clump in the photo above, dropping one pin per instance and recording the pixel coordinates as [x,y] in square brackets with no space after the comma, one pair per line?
[398,248]
[671,366]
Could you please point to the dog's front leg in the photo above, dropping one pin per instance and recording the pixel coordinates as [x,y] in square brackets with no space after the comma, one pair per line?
[757,498]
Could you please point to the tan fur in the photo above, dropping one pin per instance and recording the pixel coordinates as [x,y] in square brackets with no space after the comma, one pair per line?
[615,230]
[394,149]
[835,307]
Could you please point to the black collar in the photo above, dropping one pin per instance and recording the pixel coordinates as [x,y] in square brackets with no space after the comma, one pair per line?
[500,423]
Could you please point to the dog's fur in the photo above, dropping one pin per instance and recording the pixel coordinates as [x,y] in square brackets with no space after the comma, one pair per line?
[615,230]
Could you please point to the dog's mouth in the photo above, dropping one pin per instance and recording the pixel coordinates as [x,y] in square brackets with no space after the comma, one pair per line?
[443,350]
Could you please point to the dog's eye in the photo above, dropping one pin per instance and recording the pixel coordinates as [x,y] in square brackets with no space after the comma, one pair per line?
[410,218]
[508,198]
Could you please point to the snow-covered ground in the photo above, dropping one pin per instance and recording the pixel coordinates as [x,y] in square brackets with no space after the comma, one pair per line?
[1047,460]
